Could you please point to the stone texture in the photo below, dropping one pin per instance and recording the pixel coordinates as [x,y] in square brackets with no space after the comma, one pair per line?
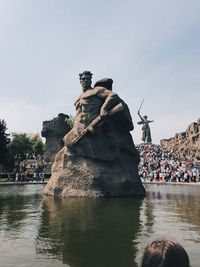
[54,130]
[185,144]
[110,170]
[77,176]
[105,161]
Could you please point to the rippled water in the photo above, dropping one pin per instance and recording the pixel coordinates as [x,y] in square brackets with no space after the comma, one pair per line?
[39,231]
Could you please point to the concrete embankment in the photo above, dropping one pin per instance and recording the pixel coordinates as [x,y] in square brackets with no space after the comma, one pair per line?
[173,183]
[21,183]
[45,182]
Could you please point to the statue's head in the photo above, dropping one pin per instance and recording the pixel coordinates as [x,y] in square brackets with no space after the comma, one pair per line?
[85,80]
[145,117]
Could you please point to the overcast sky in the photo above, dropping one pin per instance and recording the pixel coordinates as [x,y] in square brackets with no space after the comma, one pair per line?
[151,49]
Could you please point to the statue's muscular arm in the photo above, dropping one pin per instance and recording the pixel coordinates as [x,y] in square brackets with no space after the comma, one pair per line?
[110,98]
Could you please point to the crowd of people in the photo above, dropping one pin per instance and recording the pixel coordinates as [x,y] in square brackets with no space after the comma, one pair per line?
[25,177]
[159,165]
[156,165]
[30,169]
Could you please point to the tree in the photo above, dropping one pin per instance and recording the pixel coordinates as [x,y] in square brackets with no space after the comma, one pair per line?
[70,121]
[4,141]
[38,145]
[20,146]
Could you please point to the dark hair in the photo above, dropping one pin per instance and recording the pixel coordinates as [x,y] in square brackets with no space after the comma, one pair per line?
[165,253]
[86,72]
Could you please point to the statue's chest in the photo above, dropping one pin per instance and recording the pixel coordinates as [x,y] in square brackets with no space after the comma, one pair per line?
[89,108]
[90,104]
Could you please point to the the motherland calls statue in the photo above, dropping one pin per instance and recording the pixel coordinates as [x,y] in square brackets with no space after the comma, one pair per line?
[99,157]
[146,132]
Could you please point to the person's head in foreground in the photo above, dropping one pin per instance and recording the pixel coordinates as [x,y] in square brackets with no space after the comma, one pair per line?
[165,253]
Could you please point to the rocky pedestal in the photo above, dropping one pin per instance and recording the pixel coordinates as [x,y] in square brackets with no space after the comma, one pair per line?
[77,176]
[96,167]
[185,144]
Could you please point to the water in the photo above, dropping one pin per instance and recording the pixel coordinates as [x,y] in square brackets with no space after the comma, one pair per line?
[39,231]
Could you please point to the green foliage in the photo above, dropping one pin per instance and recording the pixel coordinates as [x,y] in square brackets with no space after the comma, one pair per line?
[18,148]
[20,145]
[70,121]
[4,141]
[38,145]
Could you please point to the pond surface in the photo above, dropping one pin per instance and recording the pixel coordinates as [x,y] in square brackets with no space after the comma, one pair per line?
[39,231]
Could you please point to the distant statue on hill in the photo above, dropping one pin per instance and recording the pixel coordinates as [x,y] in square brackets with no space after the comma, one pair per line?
[146,132]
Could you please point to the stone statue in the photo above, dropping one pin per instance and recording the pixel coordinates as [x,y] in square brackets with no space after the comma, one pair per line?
[99,157]
[146,132]
[54,130]
[103,141]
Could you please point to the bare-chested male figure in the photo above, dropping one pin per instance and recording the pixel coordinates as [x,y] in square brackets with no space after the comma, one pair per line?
[92,102]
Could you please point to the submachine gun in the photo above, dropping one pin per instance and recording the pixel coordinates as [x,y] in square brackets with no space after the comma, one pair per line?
[99,120]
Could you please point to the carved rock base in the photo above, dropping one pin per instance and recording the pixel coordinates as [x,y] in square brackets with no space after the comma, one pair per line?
[74,176]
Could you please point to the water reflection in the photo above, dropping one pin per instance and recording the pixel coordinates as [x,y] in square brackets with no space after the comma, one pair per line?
[14,207]
[89,232]
[170,211]
[41,231]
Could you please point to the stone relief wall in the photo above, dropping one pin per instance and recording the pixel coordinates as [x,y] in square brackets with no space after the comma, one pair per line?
[185,144]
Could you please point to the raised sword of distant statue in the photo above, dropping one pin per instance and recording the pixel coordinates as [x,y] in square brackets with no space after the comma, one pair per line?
[140,106]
